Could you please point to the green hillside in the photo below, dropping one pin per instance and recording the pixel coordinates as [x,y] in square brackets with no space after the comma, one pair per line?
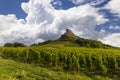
[78,63]
[11,70]
[59,43]
[80,42]
[69,39]
[67,58]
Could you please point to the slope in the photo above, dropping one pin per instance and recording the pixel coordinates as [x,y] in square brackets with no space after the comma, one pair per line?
[11,70]
[69,39]
[59,63]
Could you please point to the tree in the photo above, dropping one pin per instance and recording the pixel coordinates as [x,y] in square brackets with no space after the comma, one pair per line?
[15,44]
[8,45]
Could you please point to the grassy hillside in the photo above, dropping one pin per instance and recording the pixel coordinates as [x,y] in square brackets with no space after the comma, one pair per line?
[98,64]
[59,43]
[79,42]
[69,39]
[67,58]
[11,70]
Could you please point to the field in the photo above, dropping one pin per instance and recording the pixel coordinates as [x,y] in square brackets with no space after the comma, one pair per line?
[55,62]
[11,70]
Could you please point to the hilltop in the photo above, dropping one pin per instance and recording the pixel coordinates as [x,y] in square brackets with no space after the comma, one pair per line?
[66,58]
[69,39]
[68,35]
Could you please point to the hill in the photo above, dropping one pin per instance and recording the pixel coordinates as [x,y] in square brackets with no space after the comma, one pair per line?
[68,35]
[66,58]
[71,40]
[66,63]
[12,70]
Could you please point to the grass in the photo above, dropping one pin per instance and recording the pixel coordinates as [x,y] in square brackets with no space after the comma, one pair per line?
[11,70]
[61,44]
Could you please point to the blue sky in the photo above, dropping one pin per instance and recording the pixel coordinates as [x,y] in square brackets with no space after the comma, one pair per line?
[12,7]
[28,18]
[114,20]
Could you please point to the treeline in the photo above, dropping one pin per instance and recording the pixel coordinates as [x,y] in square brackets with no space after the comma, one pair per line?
[91,43]
[98,61]
[15,44]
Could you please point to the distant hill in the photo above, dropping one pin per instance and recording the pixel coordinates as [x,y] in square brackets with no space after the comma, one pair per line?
[70,39]
[68,35]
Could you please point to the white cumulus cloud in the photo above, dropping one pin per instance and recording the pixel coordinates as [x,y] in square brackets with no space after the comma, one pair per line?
[114,6]
[44,22]
[112,39]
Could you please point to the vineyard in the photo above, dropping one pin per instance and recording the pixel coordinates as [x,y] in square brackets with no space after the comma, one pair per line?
[96,61]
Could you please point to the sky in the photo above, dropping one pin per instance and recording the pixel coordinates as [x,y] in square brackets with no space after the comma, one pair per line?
[33,21]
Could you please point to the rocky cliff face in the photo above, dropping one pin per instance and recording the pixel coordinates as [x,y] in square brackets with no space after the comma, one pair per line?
[68,35]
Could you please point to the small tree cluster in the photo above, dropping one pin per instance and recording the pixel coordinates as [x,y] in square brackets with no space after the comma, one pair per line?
[15,44]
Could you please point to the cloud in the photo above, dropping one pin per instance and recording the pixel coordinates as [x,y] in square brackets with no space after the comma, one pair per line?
[44,22]
[14,30]
[114,27]
[77,1]
[114,6]
[112,39]
[56,3]
[97,2]
[91,2]
[49,19]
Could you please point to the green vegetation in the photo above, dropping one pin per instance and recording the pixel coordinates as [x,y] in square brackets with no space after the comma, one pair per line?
[58,43]
[91,43]
[80,42]
[91,62]
[67,58]
[15,44]
[11,70]
[69,39]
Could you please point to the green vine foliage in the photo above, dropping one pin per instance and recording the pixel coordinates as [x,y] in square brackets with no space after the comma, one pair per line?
[101,61]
